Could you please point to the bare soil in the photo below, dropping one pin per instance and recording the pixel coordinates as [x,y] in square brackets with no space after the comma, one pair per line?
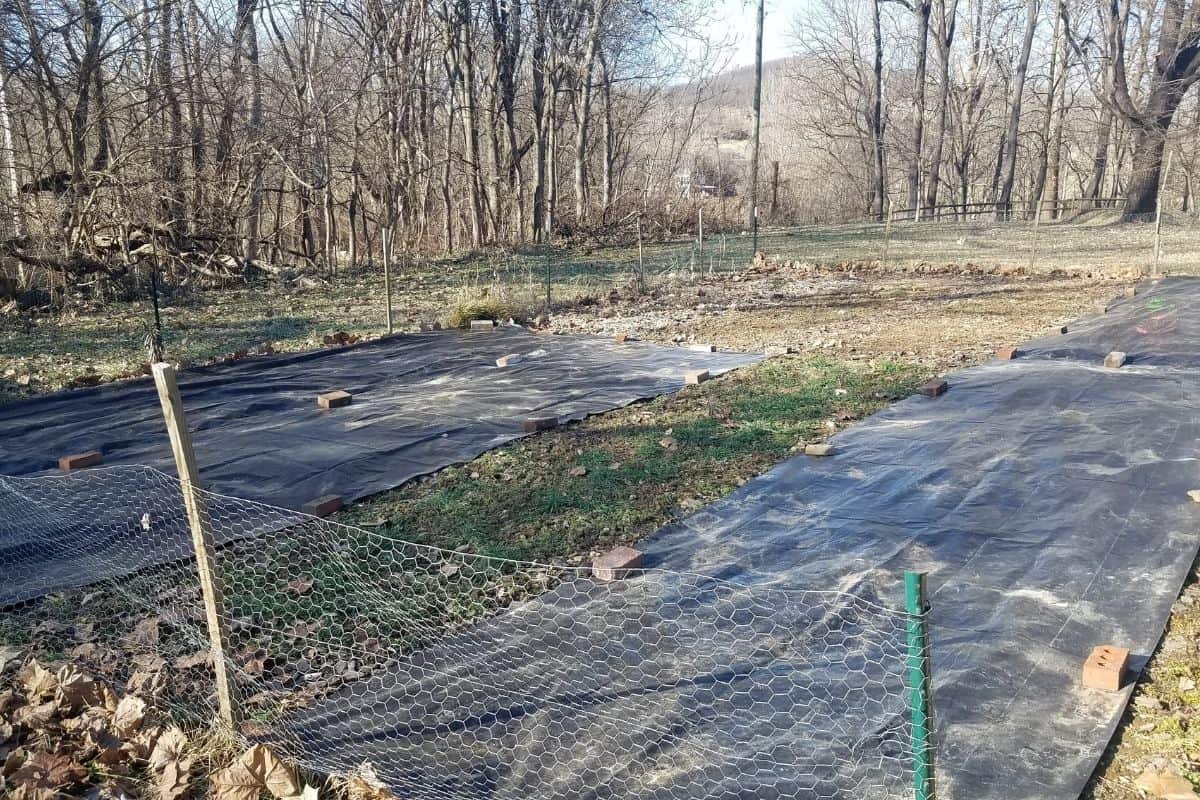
[945,318]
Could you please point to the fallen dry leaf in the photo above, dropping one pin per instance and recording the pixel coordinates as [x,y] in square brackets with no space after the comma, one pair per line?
[35,717]
[168,748]
[300,586]
[8,654]
[30,793]
[201,658]
[174,779]
[146,631]
[49,771]
[38,681]
[127,719]
[365,785]
[77,689]
[256,770]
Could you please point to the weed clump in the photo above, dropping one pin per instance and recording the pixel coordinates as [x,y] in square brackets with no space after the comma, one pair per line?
[492,303]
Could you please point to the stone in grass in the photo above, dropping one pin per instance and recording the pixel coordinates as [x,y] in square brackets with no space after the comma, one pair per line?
[1114,360]
[323,506]
[1166,785]
[75,461]
[822,449]
[335,399]
[578,472]
[778,350]
[935,387]
[696,378]
[616,564]
[483,324]
[509,360]
[1006,353]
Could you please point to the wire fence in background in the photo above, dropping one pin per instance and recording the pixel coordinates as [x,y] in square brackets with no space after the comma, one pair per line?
[91,341]
[461,676]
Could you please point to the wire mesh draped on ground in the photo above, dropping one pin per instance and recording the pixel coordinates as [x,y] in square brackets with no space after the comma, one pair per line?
[461,676]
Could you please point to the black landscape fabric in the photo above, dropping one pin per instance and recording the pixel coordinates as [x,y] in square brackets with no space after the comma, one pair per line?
[420,402]
[1046,497]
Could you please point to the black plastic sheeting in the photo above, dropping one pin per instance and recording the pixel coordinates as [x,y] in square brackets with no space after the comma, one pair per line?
[1047,499]
[421,402]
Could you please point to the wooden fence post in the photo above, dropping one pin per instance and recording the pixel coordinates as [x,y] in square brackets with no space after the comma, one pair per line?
[1037,224]
[1158,217]
[887,238]
[202,540]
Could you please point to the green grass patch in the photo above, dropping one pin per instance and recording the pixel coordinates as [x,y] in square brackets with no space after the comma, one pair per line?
[643,465]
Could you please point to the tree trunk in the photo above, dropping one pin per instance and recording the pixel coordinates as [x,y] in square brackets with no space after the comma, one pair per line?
[921,10]
[752,211]
[583,112]
[947,22]
[249,37]
[878,189]
[1039,185]
[1009,170]
[1053,189]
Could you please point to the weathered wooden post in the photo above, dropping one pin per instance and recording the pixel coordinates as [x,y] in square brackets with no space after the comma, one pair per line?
[887,236]
[1037,224]
[1158,217]
[202,540]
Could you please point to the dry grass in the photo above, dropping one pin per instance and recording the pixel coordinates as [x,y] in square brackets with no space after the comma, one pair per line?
[489,302]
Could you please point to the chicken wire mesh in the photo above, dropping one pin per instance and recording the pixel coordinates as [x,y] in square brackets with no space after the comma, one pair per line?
[452,675]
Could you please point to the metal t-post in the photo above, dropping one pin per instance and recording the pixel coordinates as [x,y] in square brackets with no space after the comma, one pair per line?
[919,685]
[202,541]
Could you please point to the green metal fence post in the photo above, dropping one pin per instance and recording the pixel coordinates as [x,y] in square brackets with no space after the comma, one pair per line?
[920,689]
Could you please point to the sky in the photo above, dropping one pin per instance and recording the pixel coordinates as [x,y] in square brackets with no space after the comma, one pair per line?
[736,17]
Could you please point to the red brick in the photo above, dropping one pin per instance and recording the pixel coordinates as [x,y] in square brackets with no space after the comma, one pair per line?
[622,338]
[335,399]
[1006,353]
[535,424]
[1131,291]
[323,506]
[697,377]
[1105,668]
[934,387]
[80,460]
[616,564]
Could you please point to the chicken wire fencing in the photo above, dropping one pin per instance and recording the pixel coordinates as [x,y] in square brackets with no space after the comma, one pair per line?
[445,674]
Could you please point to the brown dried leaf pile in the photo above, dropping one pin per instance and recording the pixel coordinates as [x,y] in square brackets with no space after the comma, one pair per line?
[65,732]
